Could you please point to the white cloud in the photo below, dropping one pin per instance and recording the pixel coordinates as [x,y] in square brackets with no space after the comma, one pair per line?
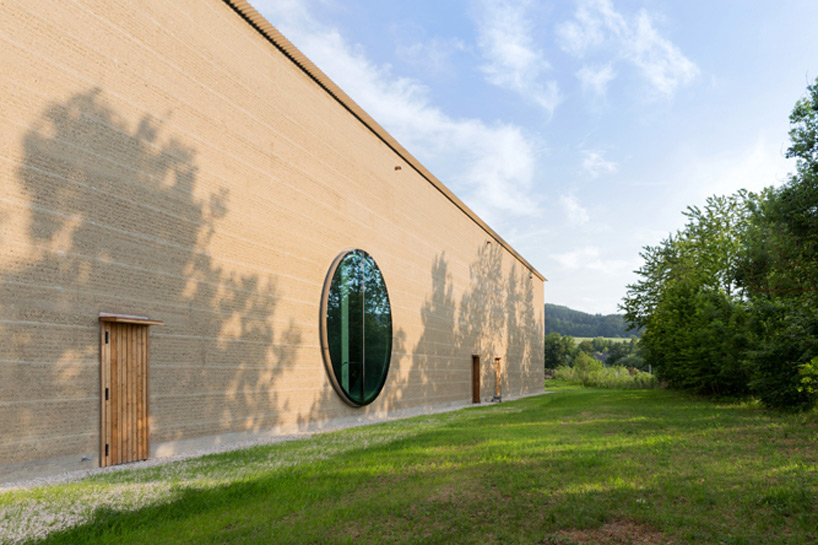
[490,166]
[696,174]
[662,63]
[597,26]
[577,215]
[512,60]
[286,13]
[754,167]
[590,258]
[595,164]
[595,80]
[587,257]
[593,21]
[435,55]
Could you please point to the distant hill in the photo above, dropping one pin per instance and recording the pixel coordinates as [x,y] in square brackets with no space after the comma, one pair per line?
[575,323]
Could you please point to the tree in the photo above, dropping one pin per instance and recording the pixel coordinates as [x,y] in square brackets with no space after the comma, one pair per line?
[688,300]
[558,350]
[730,302]
[620,350]
[586,346]
[780,271]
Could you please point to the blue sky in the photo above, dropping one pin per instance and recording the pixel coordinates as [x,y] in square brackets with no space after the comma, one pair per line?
[579,130]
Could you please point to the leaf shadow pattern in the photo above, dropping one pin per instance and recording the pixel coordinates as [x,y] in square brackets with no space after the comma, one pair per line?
[493,316]
[497,318]
[108,214]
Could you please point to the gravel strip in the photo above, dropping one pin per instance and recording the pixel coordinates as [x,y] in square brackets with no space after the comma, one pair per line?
[35,517]
[70,476]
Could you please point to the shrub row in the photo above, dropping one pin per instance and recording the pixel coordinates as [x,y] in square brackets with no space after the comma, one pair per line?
[590,372]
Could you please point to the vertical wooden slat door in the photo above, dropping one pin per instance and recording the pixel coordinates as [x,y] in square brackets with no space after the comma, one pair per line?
[475,378]
[498,395]
[124,404]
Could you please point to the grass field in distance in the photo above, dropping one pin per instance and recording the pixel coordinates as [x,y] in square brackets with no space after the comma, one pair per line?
[614,339]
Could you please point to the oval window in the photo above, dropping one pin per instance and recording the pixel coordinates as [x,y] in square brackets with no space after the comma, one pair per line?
[356,323]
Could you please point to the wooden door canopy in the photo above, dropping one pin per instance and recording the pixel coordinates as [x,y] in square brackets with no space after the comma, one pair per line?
[124,379]
[128,319]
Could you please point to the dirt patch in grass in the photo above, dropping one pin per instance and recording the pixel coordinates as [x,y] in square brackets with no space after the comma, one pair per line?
[618,532]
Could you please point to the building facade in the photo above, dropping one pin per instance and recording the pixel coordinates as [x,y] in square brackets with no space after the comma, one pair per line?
[180,186]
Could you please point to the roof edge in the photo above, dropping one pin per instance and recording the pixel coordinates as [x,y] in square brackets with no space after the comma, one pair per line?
[261,25]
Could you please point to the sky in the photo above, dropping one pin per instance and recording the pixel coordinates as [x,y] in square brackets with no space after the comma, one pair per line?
[578,130]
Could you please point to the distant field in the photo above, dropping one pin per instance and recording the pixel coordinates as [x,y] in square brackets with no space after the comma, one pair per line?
[576,467]
[614,339]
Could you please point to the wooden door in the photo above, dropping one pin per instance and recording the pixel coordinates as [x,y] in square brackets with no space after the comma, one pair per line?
[497,378]
[475,379]
[124,411]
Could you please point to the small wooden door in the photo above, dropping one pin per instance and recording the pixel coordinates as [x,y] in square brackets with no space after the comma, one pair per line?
[497,380]
[124,374]
[475,379]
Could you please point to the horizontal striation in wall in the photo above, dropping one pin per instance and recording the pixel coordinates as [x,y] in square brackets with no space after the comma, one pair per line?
[163,159]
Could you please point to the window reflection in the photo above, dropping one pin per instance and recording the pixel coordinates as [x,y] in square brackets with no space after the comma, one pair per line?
[358,328]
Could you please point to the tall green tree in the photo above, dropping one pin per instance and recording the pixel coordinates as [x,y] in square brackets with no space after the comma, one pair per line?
[689,303]
[729,303]
[558,350]
[780,271]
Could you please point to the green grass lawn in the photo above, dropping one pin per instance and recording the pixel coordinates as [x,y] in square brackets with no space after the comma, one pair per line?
[575,466]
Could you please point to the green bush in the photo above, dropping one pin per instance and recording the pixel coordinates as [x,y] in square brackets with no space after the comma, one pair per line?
[590,372]
[585,367]
[632,360]
[809,376]
[783,370]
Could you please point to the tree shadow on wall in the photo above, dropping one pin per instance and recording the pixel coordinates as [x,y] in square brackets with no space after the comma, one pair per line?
[435,361]
[495,317]
[104,217]
[525,333]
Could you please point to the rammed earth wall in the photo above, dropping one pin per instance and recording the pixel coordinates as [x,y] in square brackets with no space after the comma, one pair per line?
[165,159]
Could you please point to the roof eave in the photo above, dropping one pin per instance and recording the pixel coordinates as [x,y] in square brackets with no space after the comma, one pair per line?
[260,24]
